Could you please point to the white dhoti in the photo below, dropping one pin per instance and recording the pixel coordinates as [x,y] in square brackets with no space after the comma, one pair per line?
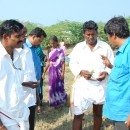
[85,93]
[14,113]
[15,123]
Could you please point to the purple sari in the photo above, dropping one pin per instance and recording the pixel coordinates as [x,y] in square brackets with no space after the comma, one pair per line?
[57,93]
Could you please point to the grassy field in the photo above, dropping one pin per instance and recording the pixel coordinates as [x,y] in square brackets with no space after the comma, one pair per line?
[57,118]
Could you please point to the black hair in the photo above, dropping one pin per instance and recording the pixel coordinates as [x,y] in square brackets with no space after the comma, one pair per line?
[8,27]
[38,32]
[117,26]
[54,38]
[89,25]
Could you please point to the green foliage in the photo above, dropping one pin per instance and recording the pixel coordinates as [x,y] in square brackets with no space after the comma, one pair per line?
[70,31]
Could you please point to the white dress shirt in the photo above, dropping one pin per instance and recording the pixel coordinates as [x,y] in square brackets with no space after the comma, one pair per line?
[88,92]
[29,75]
[13,111]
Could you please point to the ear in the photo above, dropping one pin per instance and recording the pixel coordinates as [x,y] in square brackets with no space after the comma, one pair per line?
[83,34]
[5,37]
[33,37]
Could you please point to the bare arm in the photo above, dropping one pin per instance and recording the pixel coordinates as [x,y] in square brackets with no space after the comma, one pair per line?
[31,84]
[63,71]
[46,68]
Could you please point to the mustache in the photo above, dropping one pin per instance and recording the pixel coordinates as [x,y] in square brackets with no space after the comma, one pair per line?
[92,39]
[20,42]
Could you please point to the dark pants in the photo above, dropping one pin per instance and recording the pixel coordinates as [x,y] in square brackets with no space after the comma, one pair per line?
[32,117]
[41,85]
[119,125]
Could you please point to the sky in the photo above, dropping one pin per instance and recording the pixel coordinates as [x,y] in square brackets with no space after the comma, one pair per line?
[49,12]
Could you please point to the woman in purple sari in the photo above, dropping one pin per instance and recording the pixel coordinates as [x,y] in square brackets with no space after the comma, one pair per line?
[56,65]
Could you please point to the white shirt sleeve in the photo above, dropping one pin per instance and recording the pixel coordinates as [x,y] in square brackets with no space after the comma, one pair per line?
[74,64]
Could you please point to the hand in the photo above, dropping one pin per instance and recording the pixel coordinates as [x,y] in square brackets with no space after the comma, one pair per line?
[45,59]
[62,76]
[106,62]
[86,74]
[102,76]
[33,84]
[3,128]
[38,109]
[128,122]
[43,76]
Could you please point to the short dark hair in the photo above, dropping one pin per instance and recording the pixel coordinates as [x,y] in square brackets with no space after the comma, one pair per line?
[54,38]
[90,25]
[38,32]
[9,27]
[117,26]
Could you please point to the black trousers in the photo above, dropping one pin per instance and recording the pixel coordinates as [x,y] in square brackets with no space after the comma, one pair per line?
[119,125]
[32,117]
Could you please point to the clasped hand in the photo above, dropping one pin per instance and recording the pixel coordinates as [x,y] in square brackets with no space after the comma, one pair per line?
[87,75]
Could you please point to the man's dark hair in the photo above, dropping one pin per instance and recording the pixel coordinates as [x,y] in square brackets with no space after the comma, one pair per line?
[8,27]
[117,26]
[38,32]
[54,38]
[89,25]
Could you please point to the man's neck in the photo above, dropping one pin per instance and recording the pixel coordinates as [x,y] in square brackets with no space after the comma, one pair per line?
[121,42]
[91,46]
[30,40]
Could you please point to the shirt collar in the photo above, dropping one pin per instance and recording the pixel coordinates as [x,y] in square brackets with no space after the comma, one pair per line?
[99,44]
[25,49]
[28,43]
[124,45]
[3,51]
[16,55]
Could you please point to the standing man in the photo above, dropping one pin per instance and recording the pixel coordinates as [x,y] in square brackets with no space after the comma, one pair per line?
[91,76]
[13,111]
[43,60]
[117,105]
[35,38]
[29,81]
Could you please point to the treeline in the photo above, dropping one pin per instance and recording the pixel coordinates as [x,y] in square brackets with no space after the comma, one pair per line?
[71,32]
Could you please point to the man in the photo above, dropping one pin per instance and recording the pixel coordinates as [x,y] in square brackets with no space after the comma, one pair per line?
[35,38]
[13,111]
[29,82]
[117,105]
[43,60]
[91,76]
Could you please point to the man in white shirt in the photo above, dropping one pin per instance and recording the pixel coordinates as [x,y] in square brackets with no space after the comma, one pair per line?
[29,81]
[91,76]
[13,111]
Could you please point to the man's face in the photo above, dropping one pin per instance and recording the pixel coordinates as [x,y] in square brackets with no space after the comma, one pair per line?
[24,35]
[90,36]
[37,40]
[15,40]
